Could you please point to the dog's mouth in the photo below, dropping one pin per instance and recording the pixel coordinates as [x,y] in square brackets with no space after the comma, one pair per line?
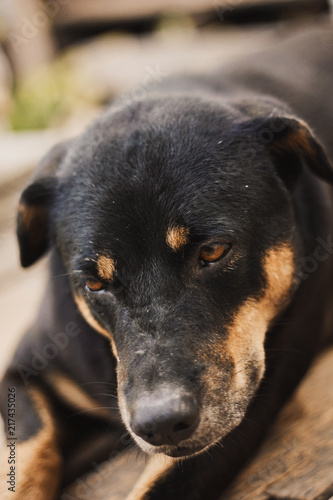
[179,451]
[175,451]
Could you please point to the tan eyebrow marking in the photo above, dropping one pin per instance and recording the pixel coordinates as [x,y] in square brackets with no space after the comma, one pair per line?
[106,267]
[177,237]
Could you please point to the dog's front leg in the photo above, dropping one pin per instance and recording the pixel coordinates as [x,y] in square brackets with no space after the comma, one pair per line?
[165,478]
[200,477]
[157,469]
[31,466]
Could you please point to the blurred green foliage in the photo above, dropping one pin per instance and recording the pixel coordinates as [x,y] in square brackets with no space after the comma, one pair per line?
[39,99]
[46,97]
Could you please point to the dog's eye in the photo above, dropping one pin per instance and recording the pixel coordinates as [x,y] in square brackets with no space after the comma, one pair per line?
[212,253]
[94,286]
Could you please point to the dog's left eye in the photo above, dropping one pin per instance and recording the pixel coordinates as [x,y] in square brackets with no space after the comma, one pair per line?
[94,286]
[212,253]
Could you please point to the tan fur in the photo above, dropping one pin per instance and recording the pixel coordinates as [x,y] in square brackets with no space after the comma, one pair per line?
[177,237]
[248,329]
[244,345]
[69,391]
[26,215]
[295,139]
[300,139]
[106,267]
[86,313]
[38,460]
[303,139]
[233,358]
[32,215]
[158,465]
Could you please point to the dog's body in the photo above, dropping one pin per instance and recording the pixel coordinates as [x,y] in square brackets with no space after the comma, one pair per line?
[179,226]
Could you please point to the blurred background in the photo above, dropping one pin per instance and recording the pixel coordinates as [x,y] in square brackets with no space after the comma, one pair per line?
[62,61]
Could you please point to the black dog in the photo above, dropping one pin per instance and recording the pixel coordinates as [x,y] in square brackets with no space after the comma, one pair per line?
[192,232]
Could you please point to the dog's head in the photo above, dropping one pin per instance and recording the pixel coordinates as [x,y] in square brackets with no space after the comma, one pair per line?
[175,221]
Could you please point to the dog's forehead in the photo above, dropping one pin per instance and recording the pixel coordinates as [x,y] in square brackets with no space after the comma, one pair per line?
[137,178]
[161,205]
[177,145]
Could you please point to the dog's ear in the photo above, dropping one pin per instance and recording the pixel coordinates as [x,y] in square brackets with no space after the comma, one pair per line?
[292,144]
[33,224]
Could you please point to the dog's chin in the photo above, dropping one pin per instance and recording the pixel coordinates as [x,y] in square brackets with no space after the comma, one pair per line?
[183,452]
[173,451]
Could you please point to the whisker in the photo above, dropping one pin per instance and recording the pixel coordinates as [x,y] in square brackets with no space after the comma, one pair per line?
[93,409]
[105,394]
[75,271]
[113,384]
[286,350]
[60,275]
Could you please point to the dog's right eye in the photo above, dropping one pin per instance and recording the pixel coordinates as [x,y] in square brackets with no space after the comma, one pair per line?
[212,253]
[94,286]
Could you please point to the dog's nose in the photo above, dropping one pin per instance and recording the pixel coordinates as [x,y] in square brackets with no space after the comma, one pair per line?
[165,417]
